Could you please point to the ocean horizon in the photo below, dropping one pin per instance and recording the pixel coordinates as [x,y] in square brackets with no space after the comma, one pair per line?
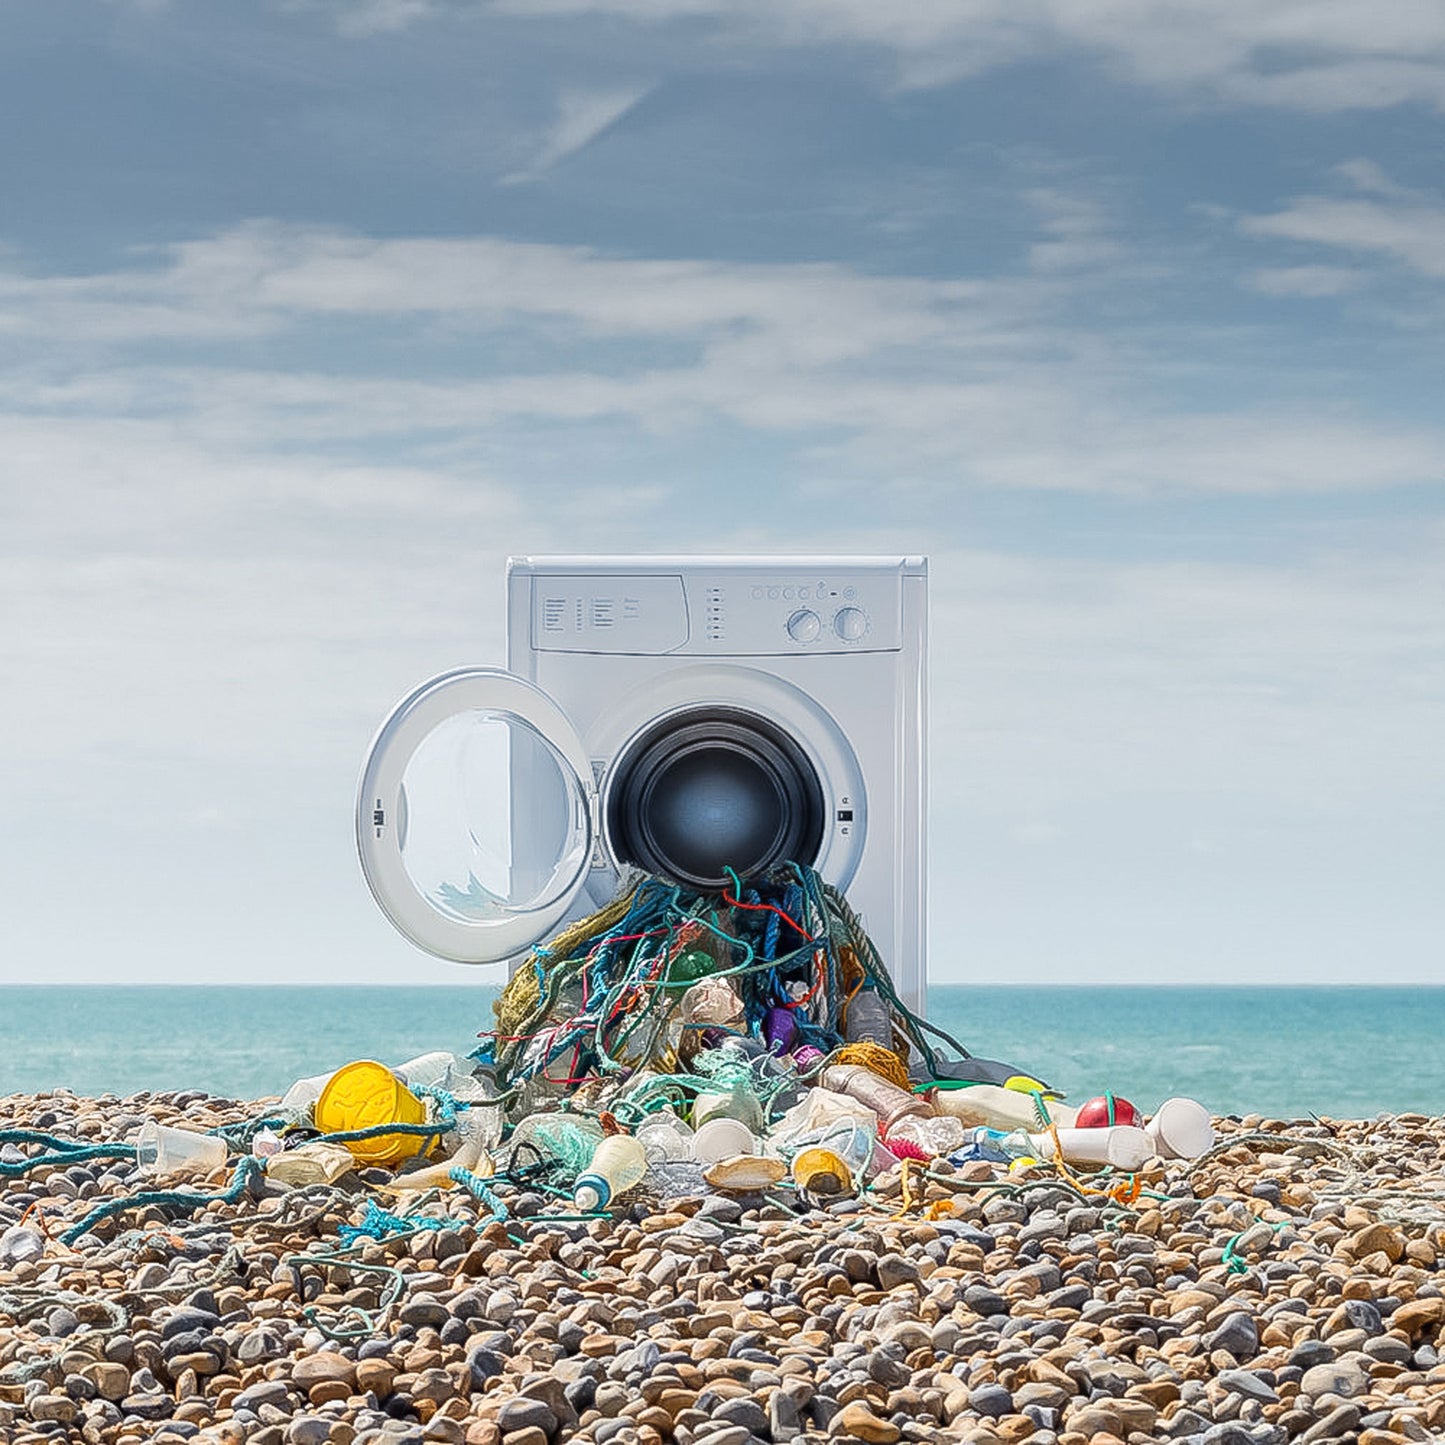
[1341,1051]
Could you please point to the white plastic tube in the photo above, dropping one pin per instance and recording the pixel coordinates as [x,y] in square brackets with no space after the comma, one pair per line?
[1123,1146]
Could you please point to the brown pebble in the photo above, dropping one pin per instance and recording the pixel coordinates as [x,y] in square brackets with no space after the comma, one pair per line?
[860,1422]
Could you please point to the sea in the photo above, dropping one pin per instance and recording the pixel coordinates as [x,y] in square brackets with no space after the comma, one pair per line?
[1279,1052]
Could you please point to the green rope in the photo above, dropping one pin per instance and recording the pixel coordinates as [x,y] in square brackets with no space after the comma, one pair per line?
[369,1319]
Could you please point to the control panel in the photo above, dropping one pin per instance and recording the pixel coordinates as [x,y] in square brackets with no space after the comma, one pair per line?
[731,612]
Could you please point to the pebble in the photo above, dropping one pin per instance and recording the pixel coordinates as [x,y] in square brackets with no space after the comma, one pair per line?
[713,1320]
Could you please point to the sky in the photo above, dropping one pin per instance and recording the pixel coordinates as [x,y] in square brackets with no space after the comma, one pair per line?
[1128,314]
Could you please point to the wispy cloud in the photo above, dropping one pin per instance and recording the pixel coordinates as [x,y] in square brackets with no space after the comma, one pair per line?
[1409,232]
[984,383]
[1303,280]
[582,116]
[1343,56]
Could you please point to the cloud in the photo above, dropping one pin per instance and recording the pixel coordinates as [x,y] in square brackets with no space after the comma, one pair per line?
[1343,55]
[1411,233]
[1368,175]
[1304,280]
[936,383]
[582,116]
[1078,229]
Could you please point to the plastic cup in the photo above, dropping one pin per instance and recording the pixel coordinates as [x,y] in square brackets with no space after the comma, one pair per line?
[163,1151]
[722,1138]
[1181,1129]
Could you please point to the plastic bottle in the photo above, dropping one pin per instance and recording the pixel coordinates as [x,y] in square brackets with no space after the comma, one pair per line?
[301,1097]
[446,1071]
[937,1137]
[886,1100]
[664,1138]
[997,1108]
[869,1019]
[618,1163]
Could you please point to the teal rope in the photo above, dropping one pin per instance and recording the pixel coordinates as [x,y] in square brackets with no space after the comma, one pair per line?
[74,1155]
[478,1189]
[378,1223]
[190,1201]
[369,1319]
[39,1136]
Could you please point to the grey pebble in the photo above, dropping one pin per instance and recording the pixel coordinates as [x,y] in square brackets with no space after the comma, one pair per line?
[1239,1335]
[991,1400]
[1248,1384]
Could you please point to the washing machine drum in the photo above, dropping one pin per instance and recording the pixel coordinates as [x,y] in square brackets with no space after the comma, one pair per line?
[713,788]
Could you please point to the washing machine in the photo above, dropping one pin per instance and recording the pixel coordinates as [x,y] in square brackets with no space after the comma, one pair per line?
[683,716]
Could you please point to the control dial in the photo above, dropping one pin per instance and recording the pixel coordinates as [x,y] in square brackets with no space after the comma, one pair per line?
[805,625]
[850,623]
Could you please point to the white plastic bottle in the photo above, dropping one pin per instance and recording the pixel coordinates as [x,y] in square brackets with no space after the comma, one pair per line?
[1122,1146]
[996,1107]
[618,1163]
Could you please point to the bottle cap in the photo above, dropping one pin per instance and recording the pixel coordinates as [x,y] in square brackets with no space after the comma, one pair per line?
[592,1191]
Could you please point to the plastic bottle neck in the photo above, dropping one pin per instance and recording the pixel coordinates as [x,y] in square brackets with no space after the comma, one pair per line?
[592,1191]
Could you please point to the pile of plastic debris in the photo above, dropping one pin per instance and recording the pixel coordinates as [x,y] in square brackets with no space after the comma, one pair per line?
[676,1043]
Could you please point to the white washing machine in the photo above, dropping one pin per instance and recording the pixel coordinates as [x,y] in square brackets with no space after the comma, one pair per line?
[682,715]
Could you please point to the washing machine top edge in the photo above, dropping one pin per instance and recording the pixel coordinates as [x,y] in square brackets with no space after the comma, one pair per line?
[740,562]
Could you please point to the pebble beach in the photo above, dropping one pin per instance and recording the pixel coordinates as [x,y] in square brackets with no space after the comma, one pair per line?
[1284,1287]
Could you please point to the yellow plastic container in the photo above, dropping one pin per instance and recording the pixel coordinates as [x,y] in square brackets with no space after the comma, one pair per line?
[822,1171]
[363,1095]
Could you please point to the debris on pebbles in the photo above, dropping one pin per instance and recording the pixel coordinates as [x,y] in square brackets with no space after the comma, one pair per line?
[1284,1288]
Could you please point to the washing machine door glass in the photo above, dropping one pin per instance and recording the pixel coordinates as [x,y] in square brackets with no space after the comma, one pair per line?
[474,815]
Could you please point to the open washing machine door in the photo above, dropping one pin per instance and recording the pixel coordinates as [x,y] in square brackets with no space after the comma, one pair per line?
[475,815]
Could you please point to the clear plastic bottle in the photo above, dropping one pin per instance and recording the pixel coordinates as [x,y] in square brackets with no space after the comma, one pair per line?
[443,1070]
[618,1163]
[937,1137]
[664,1138]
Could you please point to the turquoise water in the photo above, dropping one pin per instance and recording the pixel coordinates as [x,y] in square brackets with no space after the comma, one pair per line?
[1343,1052]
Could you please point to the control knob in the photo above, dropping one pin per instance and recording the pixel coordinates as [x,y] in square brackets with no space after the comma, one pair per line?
[805,625]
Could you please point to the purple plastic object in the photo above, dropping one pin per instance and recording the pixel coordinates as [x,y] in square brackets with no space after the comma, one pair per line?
[805,1056]
[780,1030]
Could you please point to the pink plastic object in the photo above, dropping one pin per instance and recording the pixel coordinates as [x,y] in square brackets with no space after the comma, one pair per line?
[907,1149]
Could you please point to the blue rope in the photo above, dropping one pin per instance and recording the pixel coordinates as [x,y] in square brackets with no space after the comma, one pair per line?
[378,1223]
[39,1136]
[190,1201]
